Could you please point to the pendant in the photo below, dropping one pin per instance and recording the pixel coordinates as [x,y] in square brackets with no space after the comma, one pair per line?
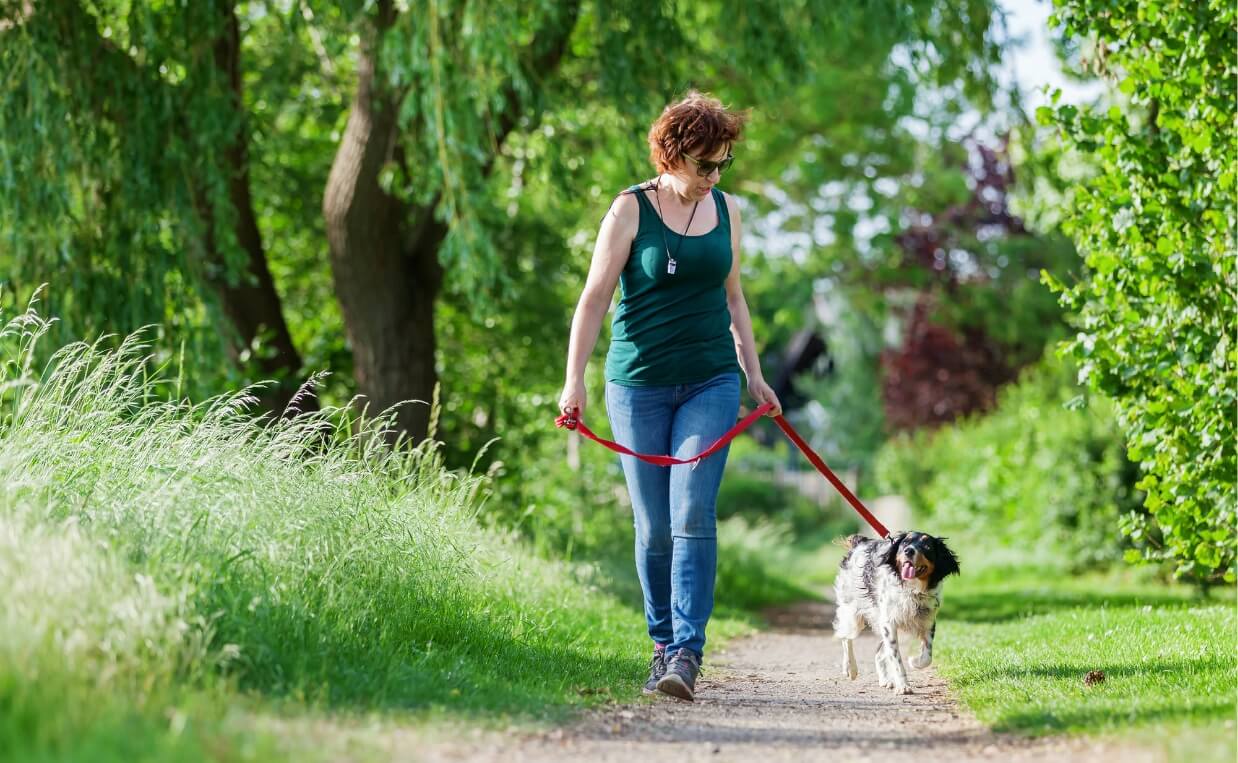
[670,266]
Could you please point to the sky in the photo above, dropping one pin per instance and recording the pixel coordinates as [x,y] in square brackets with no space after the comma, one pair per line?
[1034,63]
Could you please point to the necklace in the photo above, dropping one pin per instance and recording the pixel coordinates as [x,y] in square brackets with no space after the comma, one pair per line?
[671,264]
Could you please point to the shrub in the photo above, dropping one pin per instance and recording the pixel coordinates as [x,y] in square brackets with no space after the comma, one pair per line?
[753,561]
[1040,475]
[1155,225]
[753,497]
[563,512]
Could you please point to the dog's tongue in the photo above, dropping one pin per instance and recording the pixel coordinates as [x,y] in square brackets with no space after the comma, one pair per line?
[909,570]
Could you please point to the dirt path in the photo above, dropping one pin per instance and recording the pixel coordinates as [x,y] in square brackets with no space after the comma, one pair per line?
[780,696]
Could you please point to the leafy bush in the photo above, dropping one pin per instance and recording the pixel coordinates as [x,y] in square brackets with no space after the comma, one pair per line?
[563,511]
[1155,224]
[753,560]
[1040,475]
[754,497]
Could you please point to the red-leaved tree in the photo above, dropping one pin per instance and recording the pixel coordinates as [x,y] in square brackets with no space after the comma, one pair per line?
[978,313]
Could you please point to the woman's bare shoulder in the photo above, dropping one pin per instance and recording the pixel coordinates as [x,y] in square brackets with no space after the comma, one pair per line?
[625,206]
[646,187]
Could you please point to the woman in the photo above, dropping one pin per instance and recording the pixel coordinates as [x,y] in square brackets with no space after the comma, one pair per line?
[672,382]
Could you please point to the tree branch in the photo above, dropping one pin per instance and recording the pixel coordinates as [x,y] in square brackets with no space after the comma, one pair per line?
[541,56]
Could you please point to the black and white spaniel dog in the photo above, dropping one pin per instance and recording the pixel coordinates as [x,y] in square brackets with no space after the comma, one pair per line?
[893,584]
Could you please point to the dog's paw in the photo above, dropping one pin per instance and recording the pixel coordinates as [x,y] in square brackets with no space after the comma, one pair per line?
[904,689]
[920,662]
[851,671]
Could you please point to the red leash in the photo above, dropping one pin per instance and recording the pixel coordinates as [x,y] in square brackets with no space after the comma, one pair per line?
[568,421]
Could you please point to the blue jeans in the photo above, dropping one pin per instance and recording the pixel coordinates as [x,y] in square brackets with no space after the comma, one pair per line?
[674,507]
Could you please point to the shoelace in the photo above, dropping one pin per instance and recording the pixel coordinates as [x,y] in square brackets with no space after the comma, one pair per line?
[690,659]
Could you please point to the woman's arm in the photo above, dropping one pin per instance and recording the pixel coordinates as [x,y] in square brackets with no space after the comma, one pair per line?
[610,254]
[741,322]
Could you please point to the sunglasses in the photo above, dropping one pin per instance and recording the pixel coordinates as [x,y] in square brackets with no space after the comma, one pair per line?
[705,169]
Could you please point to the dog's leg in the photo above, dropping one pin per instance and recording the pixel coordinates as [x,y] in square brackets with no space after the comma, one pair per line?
[880,663]
[894,661]
[925,658]
[849,666]
[847,626]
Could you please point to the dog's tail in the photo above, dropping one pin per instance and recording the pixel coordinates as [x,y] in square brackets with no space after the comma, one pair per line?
[851,541]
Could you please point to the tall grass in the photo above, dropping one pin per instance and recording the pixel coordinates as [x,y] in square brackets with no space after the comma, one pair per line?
[163,559]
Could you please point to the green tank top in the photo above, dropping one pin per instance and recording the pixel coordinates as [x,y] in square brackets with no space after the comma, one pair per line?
[673,327]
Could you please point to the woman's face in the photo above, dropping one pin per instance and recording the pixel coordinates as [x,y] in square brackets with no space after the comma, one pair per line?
[691,185]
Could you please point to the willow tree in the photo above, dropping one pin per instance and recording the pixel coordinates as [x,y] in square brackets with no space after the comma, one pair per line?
[128,143]
[124,174]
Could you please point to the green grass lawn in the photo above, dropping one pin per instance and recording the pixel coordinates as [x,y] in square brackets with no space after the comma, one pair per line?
[1016,649]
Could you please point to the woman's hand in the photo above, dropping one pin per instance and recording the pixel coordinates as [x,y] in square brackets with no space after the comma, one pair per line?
[574,397]
[763,393]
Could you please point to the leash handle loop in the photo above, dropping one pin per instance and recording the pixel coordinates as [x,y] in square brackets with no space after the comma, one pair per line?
[571,421]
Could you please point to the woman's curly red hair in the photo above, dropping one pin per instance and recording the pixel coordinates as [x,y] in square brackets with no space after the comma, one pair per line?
[697,124]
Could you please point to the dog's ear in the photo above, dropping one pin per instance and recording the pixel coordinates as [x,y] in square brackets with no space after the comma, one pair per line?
[889,552]
[944,562]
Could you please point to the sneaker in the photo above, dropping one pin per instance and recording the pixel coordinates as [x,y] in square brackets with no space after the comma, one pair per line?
[657,669]
[680,678]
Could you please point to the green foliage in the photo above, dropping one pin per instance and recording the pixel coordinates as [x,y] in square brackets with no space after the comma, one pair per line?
[298,68]
[927,249]
[817,102]
[565,512]
[753,562]
[829,98]
[753,497]
[96,152]
[121,115]
[843,420]
[1042,477]
[1156,227]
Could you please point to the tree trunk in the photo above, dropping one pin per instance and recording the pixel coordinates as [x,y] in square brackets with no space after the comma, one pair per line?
[251,302]
[386,271]
[384,254]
